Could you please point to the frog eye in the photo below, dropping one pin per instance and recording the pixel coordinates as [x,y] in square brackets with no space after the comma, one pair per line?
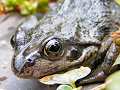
[53,49]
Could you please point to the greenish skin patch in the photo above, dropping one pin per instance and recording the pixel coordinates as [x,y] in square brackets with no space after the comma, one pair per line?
[76,34]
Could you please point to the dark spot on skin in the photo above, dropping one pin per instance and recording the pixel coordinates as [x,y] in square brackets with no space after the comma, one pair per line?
[105,2]
[105,29]
[28,71]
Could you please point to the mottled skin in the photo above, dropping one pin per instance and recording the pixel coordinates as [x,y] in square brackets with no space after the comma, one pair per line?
[76,34]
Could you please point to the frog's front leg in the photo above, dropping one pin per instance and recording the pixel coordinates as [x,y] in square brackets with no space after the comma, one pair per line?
[103,70]
[101,53]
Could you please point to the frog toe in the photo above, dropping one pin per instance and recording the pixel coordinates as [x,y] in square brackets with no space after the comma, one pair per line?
[115,68]
[93,78]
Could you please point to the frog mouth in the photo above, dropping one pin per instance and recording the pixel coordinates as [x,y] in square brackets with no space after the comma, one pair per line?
[60,77]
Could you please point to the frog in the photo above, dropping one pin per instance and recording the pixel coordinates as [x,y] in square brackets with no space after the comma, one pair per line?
[76,33]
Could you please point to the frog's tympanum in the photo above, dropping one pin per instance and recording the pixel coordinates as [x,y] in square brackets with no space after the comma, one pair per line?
[76,34]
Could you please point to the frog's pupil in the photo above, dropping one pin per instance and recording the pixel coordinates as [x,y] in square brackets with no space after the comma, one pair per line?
[55,47]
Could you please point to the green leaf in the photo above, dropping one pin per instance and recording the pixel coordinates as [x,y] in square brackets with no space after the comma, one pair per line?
[10,3]
[28,8]
[79,88]
[14,2]
[117,1]
[114,81]
[42,6]
[64,87]
[117,61]
[65,77]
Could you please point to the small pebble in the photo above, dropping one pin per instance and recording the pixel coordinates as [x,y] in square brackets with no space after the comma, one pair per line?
[3,78]
[3,43]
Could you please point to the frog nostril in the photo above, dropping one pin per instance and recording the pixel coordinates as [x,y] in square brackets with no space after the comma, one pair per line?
[31,62]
